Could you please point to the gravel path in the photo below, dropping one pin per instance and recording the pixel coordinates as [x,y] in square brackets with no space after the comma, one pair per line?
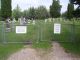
[56,53]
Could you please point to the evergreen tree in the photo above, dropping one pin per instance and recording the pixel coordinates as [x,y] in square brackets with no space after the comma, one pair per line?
[6,9]
[70,10]
[55,9]
[76,12]
[16,13]
[31,13]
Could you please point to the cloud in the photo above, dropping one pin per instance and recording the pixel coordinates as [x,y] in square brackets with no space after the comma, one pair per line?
[25,4]
[64,4]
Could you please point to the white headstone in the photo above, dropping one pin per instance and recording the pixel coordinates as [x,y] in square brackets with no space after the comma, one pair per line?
[28,22]
[33,22]
[53,19]
[57,28]
[45,20]
[14,20]
[50,20]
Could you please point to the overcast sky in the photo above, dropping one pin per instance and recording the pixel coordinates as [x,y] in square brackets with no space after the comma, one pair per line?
[25,4]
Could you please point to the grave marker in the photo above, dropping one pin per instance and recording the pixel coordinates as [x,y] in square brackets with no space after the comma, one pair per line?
[33,22]
[45,20]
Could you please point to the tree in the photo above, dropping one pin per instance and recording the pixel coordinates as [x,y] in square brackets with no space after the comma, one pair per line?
[36,13]
[64,15]
[77,2]
[55,9]
[70,10]
[31,13]
[6,9]
[76,12]
[42,13]
[16,13]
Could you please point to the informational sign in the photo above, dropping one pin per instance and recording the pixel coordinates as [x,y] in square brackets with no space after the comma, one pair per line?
[21,29]
[57,28]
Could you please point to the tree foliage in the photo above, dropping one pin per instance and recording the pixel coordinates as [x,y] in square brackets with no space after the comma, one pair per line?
[76,13]
[36,13]
[77,2]
[70,10]
[42,12]
[55,9]
[6,9]
[16,13]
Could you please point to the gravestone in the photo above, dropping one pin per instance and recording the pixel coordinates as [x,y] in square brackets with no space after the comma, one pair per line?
[33,22]
[8,25]
[29,21]
[53,19]
[45,20]
[50,20]
[13,24]
[22,21]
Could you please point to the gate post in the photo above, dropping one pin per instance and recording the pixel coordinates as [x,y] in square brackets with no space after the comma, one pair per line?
[3,32]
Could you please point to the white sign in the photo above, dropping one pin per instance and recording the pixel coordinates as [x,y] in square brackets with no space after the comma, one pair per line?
[21,29]
[57,28]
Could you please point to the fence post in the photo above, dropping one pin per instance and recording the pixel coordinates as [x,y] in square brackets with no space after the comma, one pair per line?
[73,31]
[3,32]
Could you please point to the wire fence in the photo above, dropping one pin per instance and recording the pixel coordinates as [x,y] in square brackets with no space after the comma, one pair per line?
[41,31]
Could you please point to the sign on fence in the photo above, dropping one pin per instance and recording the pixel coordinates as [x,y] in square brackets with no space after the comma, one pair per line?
[21,29]
[57,28]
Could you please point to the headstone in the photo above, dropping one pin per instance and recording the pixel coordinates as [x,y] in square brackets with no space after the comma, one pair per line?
[22,21]
[8,25]
[33,22]
[14,20]
[29,21]
[13,24]
[53,19]
[50,20]
[45,20]
[57,28]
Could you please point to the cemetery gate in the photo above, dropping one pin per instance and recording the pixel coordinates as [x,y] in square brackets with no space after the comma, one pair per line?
[40,30]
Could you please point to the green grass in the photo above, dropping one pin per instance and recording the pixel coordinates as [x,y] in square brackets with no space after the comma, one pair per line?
[7,49]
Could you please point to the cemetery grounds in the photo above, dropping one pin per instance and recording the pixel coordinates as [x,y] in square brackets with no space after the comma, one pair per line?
[41,34]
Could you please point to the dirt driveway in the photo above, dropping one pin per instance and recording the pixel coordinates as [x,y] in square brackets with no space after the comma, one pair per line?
[56,53]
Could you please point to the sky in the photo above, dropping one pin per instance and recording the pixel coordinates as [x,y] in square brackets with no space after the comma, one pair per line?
[25,4]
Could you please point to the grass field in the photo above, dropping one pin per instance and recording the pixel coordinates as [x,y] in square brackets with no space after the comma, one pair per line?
[41,34]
